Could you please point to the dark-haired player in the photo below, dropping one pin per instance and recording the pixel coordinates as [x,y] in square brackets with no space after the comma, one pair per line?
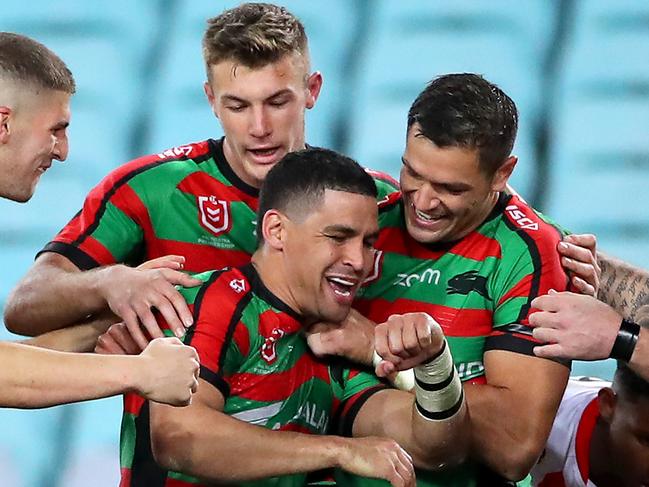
[268,411]
[600,437]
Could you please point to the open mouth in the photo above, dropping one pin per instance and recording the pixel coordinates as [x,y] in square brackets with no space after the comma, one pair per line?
[344,288]
[427,219]
[265,155]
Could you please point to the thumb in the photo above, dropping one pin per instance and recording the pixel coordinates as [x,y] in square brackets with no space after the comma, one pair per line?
[314,340]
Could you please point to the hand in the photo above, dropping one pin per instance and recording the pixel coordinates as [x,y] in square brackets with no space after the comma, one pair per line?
[170,372]
[579,259]
[380,458]
[117,340]
[353,338]
[405,341]
[131,293]
[574,326]
[176,262]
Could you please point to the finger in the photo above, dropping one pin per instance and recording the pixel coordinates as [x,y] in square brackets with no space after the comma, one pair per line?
[170,315]
[425,333]
[395,341]
[180,278]
[583,287]
[123,337]
[553,350]
[576,252]
[106,345]
[133,324]
[587,240]
[381,344]
[546,335]
[175,262]
[584,270]
[547,302]
[405,462]
[149,322]
[410,338]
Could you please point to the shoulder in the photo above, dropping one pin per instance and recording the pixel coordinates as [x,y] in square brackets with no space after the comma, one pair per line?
[385,184]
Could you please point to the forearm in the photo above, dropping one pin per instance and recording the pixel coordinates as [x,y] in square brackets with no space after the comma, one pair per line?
[508,433]
[77,338]
[54,294]
[244,451]
[32,377]
[623,286]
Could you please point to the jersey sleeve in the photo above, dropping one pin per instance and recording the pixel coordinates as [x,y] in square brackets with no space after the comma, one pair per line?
[109,227]
[217,330]
[352,388]
[385,184]
[530,267]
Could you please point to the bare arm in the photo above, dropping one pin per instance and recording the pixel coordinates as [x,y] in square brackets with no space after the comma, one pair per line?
[33,377]
[55,294]
[512,415]
[623,286]
[78,338]
[181,442]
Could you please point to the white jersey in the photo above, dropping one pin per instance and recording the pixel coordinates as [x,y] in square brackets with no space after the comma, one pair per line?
[565,460]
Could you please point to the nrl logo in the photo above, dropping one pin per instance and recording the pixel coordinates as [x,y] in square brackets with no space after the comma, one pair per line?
[214,214]
[268,352]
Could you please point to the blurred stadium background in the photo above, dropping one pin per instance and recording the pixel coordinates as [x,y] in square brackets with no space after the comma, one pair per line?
[577,69]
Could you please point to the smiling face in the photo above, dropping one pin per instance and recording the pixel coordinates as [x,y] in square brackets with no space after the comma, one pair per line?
[327,253]
[261,111]
[446,194]
[32,135]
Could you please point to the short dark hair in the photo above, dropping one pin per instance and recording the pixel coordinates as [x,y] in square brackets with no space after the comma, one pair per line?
[25,60]
[630,384]
[253,34]
[465,110]
[300,179]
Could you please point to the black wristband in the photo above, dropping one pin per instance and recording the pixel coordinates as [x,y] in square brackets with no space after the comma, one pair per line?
[625,341]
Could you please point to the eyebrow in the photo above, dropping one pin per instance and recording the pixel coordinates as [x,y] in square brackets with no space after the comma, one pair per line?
[236,99]
[458,185]
[348,231]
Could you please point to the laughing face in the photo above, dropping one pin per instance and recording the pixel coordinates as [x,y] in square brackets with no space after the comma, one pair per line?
[261,111]
[33,135]
[446,194]
[328,254]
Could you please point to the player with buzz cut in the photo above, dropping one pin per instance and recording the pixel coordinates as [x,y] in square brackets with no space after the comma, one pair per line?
[268,411]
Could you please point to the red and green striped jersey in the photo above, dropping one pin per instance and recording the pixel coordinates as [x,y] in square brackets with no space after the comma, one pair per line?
[252,350]
[479,288]
[185,201]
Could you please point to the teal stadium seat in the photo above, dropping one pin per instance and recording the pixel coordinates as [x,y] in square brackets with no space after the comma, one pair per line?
[180,111]
[412,42]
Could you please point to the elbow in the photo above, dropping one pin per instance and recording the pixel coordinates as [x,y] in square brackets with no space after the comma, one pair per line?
[168,442]
[518,460]
[13,316]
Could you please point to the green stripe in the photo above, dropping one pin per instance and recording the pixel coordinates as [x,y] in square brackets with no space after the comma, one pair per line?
[118,233]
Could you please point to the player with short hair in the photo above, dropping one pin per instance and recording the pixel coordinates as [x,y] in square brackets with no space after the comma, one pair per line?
[35,91]
[453,244]
[196,200]
[600,435]
[268,411]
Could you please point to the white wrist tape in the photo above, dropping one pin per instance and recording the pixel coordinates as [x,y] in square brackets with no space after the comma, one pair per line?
[404,380]
[438,390]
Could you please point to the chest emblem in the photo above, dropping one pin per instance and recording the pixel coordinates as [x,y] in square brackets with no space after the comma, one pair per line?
[466,282]
[214,214]
[268,351]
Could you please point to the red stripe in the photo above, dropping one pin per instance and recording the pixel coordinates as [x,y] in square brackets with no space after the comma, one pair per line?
[454,322]
[582,439]
[381,176]
[95,249]
[125,477]
[521,289]
[554,479]
[278,385]
[241,337]
[203,184]
[478,247]
[128,201]
[133,403]
[198,257]
[297,428]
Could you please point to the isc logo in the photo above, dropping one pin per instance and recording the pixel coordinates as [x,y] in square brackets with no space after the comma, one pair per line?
[521,219]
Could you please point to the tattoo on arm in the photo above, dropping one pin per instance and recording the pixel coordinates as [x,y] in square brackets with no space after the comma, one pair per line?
[623,286]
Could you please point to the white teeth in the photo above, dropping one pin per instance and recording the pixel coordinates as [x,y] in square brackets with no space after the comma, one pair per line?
[342,293]
[340,281]
[423,216]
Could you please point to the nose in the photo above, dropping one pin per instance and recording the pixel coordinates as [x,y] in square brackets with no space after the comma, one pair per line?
[60,151]
[260,124]
[426,198]
[356,255]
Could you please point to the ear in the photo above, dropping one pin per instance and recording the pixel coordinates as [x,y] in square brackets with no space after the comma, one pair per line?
[313,84]
[607,401]
[209,93]
[5,114]
[272,228]
[502,174]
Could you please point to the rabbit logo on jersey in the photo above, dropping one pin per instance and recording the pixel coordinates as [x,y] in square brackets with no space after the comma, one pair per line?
[214,214]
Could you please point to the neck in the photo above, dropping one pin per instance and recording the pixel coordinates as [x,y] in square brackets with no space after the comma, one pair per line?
[600,458]
[274,276]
